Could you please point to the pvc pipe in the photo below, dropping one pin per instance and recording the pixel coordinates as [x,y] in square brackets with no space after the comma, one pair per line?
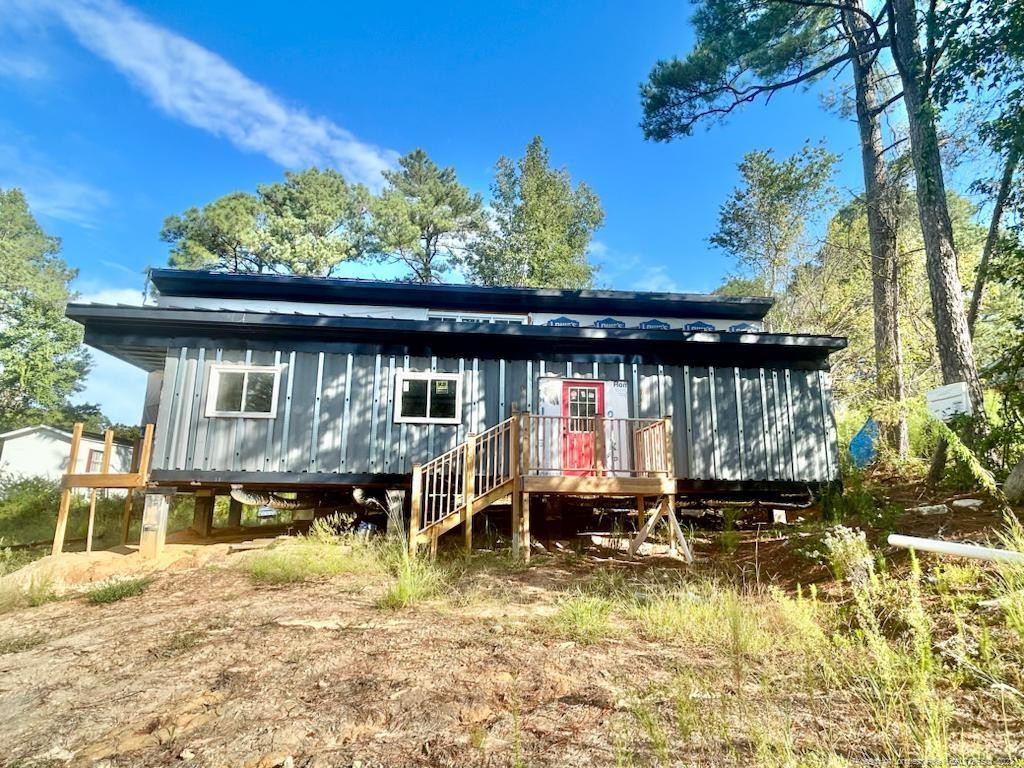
[952,548]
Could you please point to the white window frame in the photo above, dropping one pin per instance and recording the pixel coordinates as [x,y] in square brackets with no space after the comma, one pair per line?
[403,376]
[478,317]
[214,389]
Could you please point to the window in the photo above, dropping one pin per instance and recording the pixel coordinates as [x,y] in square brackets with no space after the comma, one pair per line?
[428,398]
[243,390]
[476,317]
[94,461]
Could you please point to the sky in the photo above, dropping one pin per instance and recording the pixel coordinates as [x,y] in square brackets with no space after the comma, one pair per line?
[116,115]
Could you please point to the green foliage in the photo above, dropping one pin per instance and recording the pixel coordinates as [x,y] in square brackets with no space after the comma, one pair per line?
[424,218]
[744,49]
[763,223]
[583,618]
[28,513]
[42,361]
[310,558]
[113,591]
[415,579]
[308,224]
[541,226]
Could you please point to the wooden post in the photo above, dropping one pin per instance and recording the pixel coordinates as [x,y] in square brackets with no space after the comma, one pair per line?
[670,459]
[599,446]
[524,527]
[641,511]
[415,509]
[147,451]
[108,444]
[469,490]
[527,440]
[515,448]
[65,494]
[126,521]
[517,519]
[669,507]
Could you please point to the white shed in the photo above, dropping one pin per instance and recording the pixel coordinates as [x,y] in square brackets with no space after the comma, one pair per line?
[43,451]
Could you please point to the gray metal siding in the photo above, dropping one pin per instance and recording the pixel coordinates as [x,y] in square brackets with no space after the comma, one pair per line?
[335,413]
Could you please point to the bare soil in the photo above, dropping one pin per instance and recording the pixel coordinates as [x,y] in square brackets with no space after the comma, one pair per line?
[207,669]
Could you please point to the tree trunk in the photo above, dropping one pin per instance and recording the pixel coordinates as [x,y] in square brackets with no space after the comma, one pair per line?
[882,215]
[1012,158]
[956,353]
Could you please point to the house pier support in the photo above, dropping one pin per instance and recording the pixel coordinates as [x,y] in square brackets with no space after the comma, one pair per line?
[234,513]
[154,525]
[202,515]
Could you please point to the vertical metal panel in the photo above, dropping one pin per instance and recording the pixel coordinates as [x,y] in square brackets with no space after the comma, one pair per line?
[217,357]
[502,413]
[778,416]
[636,392]
[768,463]
[405,462]
[314,438]
[390,452]
[174,419]
[346,414]
[198,391]
[375,414]
[829,431]
[477,397]
[716,467]
[792,433]
[568,370]
[268,450]
[622,371]
[661,391]
[593,371]
[739,423]
[529,386]
[690,468]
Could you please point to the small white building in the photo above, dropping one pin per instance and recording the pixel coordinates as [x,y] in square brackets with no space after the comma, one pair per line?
[43,451]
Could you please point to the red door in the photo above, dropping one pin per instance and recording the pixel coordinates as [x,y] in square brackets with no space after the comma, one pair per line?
[582,402]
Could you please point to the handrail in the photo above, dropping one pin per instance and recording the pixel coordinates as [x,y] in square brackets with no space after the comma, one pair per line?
[443,481]
[597,445]
[532,444]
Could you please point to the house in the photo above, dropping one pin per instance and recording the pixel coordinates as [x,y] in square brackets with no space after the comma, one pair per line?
[42,451]
[465,394]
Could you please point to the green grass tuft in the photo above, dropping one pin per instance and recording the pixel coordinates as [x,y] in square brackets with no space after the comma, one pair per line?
[583,618]
[118,590]
[312,558]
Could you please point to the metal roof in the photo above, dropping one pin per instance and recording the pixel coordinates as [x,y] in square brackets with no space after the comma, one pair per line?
[141,335]
[175,282]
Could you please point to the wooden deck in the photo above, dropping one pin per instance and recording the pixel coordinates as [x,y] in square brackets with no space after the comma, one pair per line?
[528,454]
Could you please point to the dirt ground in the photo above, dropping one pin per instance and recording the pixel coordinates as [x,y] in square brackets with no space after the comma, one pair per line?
[207,669]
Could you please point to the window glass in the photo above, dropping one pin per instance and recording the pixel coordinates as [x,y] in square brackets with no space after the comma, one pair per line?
[259,392]
[414,397]
[229,390]
[442,399]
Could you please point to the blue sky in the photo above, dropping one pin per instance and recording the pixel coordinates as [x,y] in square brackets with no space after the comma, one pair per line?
[117,115]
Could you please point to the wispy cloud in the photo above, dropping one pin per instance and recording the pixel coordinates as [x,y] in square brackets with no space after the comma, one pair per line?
[22,65]
[202,89]
[51,191]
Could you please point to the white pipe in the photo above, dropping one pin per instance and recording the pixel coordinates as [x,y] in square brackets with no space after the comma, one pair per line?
[952,548]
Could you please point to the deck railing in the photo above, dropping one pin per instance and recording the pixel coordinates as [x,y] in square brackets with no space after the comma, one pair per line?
[597,446]
[446,484]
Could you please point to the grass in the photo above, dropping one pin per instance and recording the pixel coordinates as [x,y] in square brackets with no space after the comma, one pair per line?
[414,579]
[19,643]
[311,558]
[113,591]
[583,618]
